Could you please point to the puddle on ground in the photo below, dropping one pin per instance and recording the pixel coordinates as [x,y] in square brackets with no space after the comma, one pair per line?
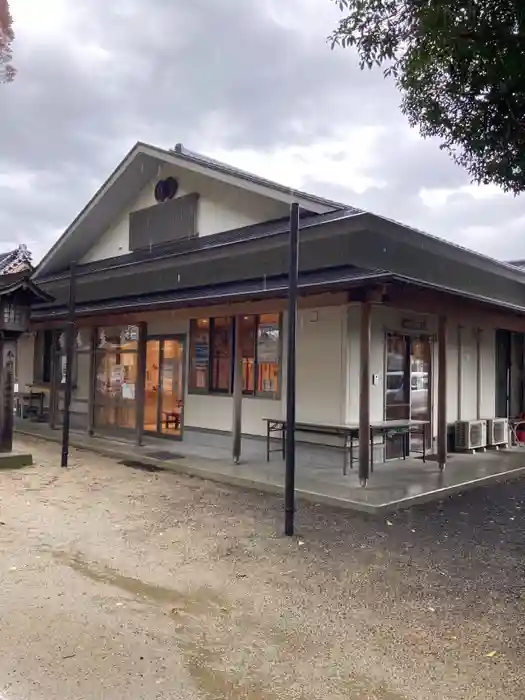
[42,485]
[212,682]
[203,658]
[217,685]
[198,602]
[360,687]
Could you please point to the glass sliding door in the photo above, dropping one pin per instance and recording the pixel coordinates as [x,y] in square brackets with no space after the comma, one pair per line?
[164,388]
[116,379]
[407,386]
[171,387]
[151,389]
[397,388]
[420,385]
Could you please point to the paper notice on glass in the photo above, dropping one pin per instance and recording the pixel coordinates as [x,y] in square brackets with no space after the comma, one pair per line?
[202,355]
[63,369]
[128,391]
[167,376]
[116,374]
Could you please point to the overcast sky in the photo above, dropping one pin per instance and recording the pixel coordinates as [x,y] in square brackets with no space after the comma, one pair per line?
[252,82]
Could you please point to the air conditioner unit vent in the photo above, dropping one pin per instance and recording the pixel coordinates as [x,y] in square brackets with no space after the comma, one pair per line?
[470,435]
[498,431]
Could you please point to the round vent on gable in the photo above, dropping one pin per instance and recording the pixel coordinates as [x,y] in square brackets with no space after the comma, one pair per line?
[166,189]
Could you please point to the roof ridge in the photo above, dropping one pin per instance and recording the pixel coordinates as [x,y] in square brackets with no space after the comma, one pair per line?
[185,153]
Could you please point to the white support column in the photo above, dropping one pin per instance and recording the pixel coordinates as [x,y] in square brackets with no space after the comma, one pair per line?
[364,392]
[479,370]
[460,372]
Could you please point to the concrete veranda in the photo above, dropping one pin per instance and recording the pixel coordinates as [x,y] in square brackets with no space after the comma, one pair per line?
[319,475]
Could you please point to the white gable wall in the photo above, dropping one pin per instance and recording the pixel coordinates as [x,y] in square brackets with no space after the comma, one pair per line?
[221,207]
[115,241]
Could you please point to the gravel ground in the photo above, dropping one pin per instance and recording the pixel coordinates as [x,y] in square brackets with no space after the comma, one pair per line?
[122,583]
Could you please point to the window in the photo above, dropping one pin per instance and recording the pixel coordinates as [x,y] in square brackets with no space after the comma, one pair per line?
[199,355]
[211,355]
[221,354]
[116,377]
[248,341]
[43,357]
[268,355]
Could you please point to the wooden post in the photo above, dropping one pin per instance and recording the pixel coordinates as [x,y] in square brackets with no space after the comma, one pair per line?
[92,381]
[442,393]
[364,392]
[70,355]
[140,387]
[8,354]
[54,381]
[237,392]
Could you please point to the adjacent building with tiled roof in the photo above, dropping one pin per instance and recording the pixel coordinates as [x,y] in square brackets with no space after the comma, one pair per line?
[15,260]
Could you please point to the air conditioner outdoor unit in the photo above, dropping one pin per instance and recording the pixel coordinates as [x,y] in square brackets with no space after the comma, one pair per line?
[470,434]
[498,431]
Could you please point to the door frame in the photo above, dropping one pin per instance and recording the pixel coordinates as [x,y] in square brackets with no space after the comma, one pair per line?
[410,335]
[161,337]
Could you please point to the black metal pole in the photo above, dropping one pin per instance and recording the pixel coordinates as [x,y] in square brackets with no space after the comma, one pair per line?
[289,487]
[70,347]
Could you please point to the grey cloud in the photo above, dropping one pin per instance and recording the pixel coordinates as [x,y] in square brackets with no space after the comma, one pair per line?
[406,161]
[169,69]
[230,58]
[174,67]
[494,225]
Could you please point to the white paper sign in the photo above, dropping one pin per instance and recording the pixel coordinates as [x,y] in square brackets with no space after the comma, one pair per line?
[128,391]
[116,374]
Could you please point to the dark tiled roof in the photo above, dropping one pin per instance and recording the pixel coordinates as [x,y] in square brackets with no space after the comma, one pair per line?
[318,280]
[4,257]
[190,245]
[20,255]
[20,281]
[205,161]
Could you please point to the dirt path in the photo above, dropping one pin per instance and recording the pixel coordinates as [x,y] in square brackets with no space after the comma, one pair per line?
[118,583]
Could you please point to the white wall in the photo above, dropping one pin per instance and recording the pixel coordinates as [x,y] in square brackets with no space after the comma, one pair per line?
[321,364]
[321,380]
[328,370]
[115,241]
[25,361]
[388,319]
[471,403]
[221,207]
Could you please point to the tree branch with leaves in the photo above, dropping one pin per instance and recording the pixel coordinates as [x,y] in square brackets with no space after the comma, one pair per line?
[460,67]
[7,72]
